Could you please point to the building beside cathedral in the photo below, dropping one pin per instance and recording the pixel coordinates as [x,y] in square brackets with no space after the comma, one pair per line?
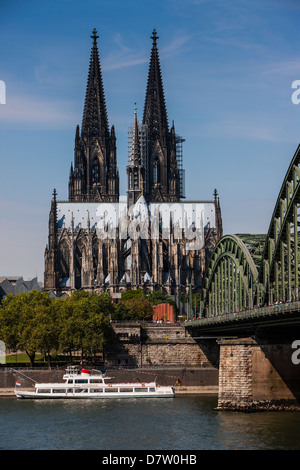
[154,238]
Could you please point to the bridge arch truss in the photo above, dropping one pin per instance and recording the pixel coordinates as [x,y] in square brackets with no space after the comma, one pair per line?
[231,281]
[256,270]
[279,270]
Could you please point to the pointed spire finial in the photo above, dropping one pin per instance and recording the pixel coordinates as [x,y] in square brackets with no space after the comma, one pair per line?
[154,36]
[95,37]
[135,108]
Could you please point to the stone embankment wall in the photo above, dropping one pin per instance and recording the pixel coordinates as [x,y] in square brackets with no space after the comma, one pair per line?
[159,345]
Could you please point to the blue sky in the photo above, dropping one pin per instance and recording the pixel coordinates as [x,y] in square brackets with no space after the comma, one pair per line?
[227,66]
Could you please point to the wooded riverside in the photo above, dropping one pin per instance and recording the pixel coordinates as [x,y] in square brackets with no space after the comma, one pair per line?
[36,322]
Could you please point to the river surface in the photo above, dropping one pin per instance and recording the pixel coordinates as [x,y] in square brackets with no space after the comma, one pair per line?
[182,423]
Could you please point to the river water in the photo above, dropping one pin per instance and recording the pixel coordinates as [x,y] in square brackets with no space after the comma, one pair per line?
[185,422]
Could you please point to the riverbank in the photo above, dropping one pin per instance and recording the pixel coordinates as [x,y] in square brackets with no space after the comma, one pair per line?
[205,391]
[185,380]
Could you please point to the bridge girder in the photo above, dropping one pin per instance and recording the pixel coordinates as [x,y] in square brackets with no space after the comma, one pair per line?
[246,270]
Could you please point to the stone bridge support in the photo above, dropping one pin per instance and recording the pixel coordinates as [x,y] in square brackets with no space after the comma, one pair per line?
[258,375]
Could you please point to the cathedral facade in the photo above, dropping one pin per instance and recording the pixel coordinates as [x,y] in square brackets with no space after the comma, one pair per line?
[154,238]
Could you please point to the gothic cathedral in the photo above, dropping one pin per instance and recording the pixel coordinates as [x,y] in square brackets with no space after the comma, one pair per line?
[154,238]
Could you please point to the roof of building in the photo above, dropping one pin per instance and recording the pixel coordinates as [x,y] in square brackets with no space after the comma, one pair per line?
[11,286]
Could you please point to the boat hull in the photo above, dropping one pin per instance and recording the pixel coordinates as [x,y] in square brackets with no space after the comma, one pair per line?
[101,396]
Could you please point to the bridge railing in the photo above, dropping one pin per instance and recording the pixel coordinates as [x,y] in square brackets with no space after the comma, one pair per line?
[255,312]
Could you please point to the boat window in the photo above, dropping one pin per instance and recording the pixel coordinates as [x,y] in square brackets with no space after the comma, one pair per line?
[81,381]
[46,390]
[124,390]
[80,390]
[140,389]
[151,389]
[96,390]
[59,390]
[70,381]
[95,381]
[111,389]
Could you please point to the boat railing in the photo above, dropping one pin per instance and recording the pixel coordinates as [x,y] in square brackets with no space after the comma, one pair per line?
[72,370]
[76,370]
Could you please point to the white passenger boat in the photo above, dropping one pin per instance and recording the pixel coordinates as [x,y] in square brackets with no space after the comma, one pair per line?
[86,383]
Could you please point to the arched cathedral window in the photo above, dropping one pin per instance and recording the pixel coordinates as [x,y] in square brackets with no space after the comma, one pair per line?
[64,259]
[156,172]
[95,171]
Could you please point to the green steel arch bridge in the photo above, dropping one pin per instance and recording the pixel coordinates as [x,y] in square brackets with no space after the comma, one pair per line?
[253,279]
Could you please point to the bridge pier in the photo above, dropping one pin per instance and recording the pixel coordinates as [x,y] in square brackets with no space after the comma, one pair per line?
[258,375]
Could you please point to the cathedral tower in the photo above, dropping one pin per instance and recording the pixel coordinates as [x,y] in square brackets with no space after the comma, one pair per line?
[95,175]
[163,182]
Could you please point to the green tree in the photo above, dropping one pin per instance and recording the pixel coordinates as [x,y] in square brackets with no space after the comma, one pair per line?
[67,327]
[85,323]
[157,297]
[10,312]
[139,309]
[122,312]
[46,330]
[35,322]
[133,294]
[138,304]
[22,317]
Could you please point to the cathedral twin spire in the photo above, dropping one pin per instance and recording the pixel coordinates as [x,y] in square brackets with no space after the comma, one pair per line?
[95,176]
[155,113]
[152,165]
[95,121]
[158,145]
